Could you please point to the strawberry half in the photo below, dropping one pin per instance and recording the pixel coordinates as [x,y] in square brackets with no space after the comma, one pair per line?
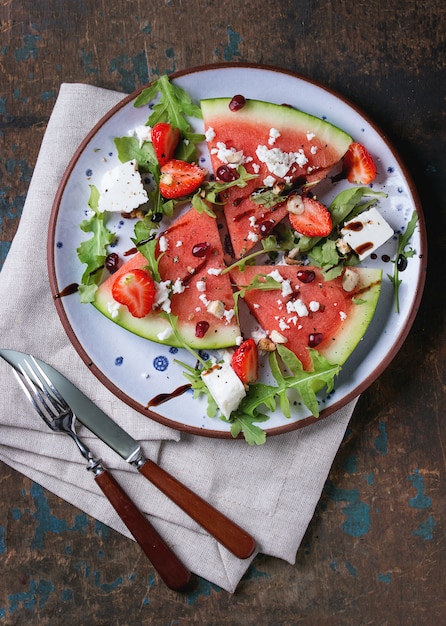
[359,166]
[179,178]
[245,361]
[136,290]
[165,139]
[311,218]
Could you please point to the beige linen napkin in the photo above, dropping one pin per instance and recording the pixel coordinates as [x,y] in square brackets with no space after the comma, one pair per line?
[270,490]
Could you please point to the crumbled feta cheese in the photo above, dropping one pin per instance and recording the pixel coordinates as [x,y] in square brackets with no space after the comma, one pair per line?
[366,232]
[277,337]
[252,220]
[162,299]
[310,136]
[342,315]
[201,285]
[113,309]
[276,275]
[286,288]
[283,325]
[297,306]
[228,315]
[230,156]
[178,286]
[279,162]
[273,135]
[214,271]
[165,334]
[314,306]
[142,133]
[252,236]
[313,149]
[122,189]
[210,134]
[269,181]
[256,168]
[224,386]
[178,244]
[164,243]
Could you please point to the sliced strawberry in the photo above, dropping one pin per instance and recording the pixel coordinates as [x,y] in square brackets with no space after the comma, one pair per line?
[179,178]
[136,290]
[359,166]
[245,361]
[310,217]
[165,139]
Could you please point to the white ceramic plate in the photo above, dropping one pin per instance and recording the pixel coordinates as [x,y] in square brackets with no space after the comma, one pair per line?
[136,369]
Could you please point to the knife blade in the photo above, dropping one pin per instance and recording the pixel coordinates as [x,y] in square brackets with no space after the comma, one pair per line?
[225,531]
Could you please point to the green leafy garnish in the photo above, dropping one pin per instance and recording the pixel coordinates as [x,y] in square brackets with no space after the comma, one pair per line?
[289,376]
[210,191]
[306,383]
[173,106]
[130,149]
[260,282]
[93,251]
[403,253]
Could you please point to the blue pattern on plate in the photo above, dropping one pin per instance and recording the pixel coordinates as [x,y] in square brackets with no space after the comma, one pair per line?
[161,363]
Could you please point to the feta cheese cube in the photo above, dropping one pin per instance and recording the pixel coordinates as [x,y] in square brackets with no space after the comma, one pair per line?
[366,232]
[224,386]
[122,189]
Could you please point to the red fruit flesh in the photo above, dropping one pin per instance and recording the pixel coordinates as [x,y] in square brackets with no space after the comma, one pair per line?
[359,166]
[179,178]
[245,361]
[165,139]
[314,221]
[135,290]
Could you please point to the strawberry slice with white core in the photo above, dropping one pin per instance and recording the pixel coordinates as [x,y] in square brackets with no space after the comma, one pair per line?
[358,165]
[165,138]
[245,361]
[179,178]
[136,290]
[308,216]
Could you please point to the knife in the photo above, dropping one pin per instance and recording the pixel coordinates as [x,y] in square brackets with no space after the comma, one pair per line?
[230,535]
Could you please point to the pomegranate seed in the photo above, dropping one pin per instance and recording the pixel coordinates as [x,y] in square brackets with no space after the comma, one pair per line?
[111,262]
[201,249]
[226,174]
[266,227]
[237,103]
[201,329]
[314,339]
[306,276]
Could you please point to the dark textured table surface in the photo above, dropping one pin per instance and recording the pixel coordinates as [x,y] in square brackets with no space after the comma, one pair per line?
[375,552]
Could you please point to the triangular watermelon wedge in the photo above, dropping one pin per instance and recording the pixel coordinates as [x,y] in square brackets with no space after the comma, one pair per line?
[191,262]
[334,318]
[276,142]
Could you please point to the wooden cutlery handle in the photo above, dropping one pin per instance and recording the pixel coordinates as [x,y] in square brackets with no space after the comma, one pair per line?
[229,534]
[167,564]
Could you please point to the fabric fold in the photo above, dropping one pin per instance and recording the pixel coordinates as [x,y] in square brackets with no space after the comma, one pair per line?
[270,490]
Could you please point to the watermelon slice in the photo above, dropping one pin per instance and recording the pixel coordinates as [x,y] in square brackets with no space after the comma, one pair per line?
[190,262]
[313,313]
[276,142]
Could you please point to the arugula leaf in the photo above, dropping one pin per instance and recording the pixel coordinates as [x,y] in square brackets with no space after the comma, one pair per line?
[93,251]
[347,204]
[261,282]
[401,257]
[129,148]
[173,105]
[253,434]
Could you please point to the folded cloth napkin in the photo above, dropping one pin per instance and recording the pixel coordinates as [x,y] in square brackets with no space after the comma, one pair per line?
[270,490]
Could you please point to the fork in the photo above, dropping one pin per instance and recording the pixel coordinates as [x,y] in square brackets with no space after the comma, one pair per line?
[59,417]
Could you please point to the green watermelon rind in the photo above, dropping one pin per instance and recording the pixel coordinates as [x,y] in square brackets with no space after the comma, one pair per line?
[154,325]
[271,114]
